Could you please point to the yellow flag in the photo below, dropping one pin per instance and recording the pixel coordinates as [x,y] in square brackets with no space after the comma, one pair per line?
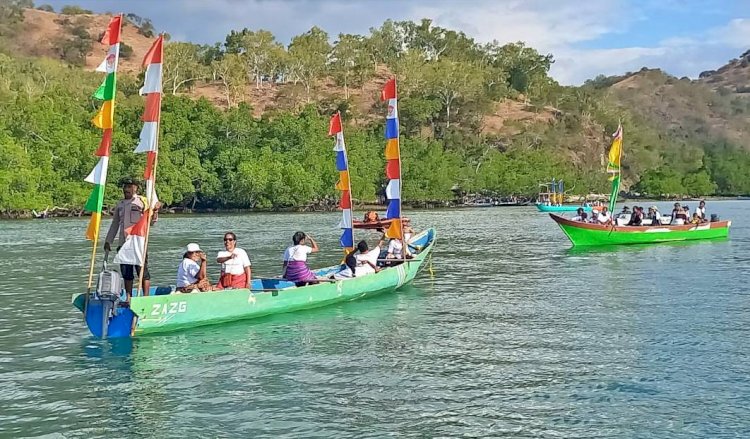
[343,183]
[394,230]
[104,119]
[392,149]
[93,228]
[615,153]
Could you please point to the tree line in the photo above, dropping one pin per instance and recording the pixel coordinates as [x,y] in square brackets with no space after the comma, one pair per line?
[449,85]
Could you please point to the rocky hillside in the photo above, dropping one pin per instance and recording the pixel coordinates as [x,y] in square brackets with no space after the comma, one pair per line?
[692,109]
[74,38]
[734,77]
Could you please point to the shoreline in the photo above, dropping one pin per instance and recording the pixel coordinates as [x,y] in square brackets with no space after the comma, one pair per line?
[27,215]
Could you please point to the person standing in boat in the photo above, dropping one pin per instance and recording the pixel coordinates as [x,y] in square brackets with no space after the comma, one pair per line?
[236,271]
[191,274]
[295,260]
[128,212]
[701,210]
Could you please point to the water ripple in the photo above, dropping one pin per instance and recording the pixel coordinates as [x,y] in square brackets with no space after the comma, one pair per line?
[516,335]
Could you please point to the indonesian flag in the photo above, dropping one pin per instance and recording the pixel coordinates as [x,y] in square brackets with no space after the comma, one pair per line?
[132,251]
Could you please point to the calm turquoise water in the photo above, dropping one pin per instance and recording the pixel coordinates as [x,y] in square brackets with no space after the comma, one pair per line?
[516,335]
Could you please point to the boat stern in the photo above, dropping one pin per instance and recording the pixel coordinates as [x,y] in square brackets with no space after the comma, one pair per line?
[104,316]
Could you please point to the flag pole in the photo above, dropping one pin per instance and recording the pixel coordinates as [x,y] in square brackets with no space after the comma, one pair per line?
[152,192]
[99,221]
[400,180]
[349,178]
[93,260]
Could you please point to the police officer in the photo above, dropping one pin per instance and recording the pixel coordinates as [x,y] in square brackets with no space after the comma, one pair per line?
[127,212]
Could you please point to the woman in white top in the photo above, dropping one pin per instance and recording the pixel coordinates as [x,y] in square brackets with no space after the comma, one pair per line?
[295,260]
[191,274]
[236,269]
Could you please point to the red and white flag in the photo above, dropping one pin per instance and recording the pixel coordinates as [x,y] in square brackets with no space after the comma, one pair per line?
[132,251]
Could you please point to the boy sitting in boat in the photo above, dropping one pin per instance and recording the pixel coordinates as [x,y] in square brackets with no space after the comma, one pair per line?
[356,261]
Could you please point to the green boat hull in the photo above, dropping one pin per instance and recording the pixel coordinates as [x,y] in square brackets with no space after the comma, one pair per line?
[586,234]
[162,313]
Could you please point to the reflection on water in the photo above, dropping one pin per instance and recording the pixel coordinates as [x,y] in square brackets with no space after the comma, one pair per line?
[517,334]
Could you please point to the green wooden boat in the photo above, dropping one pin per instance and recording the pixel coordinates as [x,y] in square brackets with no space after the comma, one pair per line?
[168,312]
[584,234]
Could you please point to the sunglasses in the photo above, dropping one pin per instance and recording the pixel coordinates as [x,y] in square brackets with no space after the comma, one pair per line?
[228,239]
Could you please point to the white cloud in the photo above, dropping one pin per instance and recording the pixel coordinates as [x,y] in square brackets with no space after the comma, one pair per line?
[544,25]
[561,27]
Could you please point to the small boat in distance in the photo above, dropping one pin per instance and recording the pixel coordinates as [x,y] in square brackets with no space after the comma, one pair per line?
[551,198]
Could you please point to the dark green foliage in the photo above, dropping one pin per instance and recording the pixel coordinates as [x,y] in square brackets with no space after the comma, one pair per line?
[126,51]
[450,91]
[74,10]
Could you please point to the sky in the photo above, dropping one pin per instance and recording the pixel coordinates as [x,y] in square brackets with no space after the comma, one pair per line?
[586,37]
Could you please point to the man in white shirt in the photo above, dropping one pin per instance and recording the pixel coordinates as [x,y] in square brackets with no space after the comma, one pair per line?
[235,265]
[604,217]
[701,210]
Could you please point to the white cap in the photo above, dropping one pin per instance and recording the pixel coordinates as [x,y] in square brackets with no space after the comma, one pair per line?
[193,247]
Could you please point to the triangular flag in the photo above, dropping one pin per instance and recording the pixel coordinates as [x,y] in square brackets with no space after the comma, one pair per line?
[335,126]
[132,251]
[112,34]
[153,56]
[389,90]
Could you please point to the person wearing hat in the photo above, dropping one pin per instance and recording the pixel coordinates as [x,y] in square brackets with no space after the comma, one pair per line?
[191,274]
[654,216]
[128,212]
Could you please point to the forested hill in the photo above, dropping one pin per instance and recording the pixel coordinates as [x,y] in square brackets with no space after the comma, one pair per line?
[245,120]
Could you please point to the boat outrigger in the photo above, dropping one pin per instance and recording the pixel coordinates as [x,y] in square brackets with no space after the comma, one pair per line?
[586,234]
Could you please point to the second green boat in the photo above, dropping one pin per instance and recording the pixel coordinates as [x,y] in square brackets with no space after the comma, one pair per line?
[581,233]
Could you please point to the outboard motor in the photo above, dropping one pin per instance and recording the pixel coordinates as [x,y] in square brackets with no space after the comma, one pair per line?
[104,315]
[714,217]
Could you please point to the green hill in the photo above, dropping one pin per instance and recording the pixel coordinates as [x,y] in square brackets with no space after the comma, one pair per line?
[245,120]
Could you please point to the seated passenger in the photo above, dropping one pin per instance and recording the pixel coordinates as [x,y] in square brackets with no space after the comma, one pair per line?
[636,218]
[679,217]
[654,216]
[580,215]
[295,260]
[696,219]
[236,269]
[350,262]
[191,275]
[675,210]
[371,217]
[367,260]
[604,217]
[625,209]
